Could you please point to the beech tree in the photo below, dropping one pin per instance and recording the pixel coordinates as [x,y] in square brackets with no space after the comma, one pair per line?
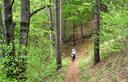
[97,33]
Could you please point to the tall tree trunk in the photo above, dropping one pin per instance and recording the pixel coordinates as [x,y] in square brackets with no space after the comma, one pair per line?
[25,22]
[81,28]
[61,22]
[1,22]
[9,35]
[9,24]
[2,32]
[97,33]
[57,28]
[24,30]
[50,22]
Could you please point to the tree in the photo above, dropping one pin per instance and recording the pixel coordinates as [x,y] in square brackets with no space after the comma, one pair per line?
[9,36]
[25,20]
[61,22]
[97,32]
[24,31]
[9,23]
[57,28]
[2,32]
[50,15]
[1,21]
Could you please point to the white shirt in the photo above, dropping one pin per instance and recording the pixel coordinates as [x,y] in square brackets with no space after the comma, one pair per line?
[73,52]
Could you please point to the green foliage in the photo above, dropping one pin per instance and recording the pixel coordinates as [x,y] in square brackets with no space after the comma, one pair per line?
[76,12]
[40,52]
[113,29]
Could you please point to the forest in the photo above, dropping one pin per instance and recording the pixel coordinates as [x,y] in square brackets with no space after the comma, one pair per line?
[63,40]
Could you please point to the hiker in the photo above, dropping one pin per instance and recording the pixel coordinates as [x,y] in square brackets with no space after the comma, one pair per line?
[73,54]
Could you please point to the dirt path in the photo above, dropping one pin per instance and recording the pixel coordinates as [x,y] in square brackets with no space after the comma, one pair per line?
[73,72]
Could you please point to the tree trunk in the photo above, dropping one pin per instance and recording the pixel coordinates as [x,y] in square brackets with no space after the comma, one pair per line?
[50,22]
[97,33]
[1,23]
[9,24]
[57,28]
[9,36]
[61,22]
[24,30]
[81,28]
[2,32]
[25,22]
[8,21]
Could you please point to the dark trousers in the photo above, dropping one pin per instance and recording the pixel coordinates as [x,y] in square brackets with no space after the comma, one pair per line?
[73,57]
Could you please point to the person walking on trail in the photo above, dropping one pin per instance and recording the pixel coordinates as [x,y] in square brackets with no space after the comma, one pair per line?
[73,54]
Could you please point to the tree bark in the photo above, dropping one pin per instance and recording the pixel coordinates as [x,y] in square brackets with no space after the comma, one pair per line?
[57,28]
[1,22]
[2,32]
[9,36]
[24,31]
[50,22]
[97,33]
[25,22]
[61,22]
[8,21]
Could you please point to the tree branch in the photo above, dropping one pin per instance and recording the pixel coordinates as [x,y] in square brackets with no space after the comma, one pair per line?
[34,12]
[12,3]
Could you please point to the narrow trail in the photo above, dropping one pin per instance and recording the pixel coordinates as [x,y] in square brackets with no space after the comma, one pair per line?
[73,72]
